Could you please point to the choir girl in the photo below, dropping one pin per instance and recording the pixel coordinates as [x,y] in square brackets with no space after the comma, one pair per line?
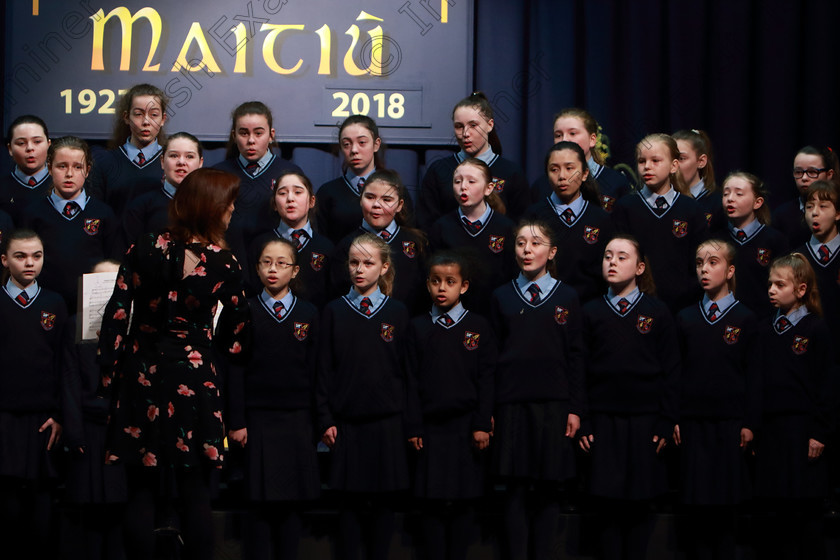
[77,229]
[27,141]
[665,219]
[452,361]
[361,397]
[476,135]
[539,391]
[573,210]
[632,370]
[182,154]
[578,126]
[719,410]
[270,407]
[384,214]
[810,164]
[131,167]
[293,201]
[31,333]
[697,168]
[798,412]
[480,228]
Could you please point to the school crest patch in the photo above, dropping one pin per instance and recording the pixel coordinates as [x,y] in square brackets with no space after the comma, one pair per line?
[47,320]
[409,249]
[607,202]
[800,345]
[644,324]
[91,226]
[731,334]
[590,234]
[301,331]
[679,228]
[317,261]
[386,331]
[471,340]
[498,184]
[763,256]
[561,315]
[497,243]
[708,218]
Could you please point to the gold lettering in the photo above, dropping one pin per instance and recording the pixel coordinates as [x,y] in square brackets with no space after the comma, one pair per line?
[375,52]
[196,35]
[268,47]
[325,34]
[240,67]
[126,24]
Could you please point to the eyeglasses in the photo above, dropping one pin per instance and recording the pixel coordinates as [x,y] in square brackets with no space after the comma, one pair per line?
[812,172]
[279,264]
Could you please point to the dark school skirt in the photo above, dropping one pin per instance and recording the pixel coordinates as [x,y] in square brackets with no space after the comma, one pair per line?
[370,456]
[23,450]
[89,479]
[280,456]
[713,467]
[782,466]
[625,465]
[530,441]
[449,467]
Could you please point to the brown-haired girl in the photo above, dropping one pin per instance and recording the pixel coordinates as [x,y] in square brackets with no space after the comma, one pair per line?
[27,141]
[475,132]
[130,167]
[697,168]
[748,215]
[166,412]
[665,219]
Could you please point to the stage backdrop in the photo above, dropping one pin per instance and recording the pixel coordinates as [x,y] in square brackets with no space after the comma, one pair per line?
[314,62]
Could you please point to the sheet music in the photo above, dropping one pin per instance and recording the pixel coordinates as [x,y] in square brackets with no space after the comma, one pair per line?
[95,290]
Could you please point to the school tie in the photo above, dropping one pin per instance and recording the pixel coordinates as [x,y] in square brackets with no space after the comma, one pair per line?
[364,306]
[141,159]
[299,236]
[661,205]
[741,235]
[713,311]
[32,182]
[623,304]
[71,209]
[472,227]
[22,298]
[385,235]
[252,168]
[279,309]
[825,254]
[782,323]
[446,320]
[568,216]
[360,185]
[534,290]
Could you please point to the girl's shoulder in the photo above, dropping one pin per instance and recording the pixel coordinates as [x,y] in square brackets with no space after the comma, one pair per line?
[505,167]
[443,166]
[332,187]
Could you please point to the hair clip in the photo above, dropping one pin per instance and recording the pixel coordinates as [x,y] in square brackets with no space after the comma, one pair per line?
[695,131]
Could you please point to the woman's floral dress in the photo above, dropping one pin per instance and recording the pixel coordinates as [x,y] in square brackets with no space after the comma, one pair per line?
[166,409]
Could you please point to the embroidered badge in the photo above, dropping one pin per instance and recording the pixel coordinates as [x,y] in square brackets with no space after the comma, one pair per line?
[730,334]
[643,324]
[763,256]
[800,345]
[561,315]
[91,226]
[317,261]
[471,340]
[607,202]
[301,330]
[409,249]
[680,228]
[708,218]
[590,234]
[497,243]
[498,184]
[386,331]
[47,320]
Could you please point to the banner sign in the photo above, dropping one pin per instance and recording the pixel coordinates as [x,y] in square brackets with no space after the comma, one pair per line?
[404,63]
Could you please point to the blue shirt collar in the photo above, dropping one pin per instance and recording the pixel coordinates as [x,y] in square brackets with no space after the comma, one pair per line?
[723,303]
[576,205]
[262,163]
[59,203]
[651,197]
[391,228]
[487,157]
[13,290]
[794,316]
[750,229]
[594,167]
[698,190]
[832,245]
[377,298]
[631,297]
[455,313]
[286,300]
[353,179]
[484,217]
[545,283]
[168,188]
[148,151]
[284,230]
[24,178]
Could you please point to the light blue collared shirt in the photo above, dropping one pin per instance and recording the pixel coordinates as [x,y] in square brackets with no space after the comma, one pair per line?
[723,303]
[699,189]
[832,245]
[750,229]
[286,300]
[576,205]
[631,297]
[545,283]
[353,179]
[484,217]
[262,163]
[795,316]
[168,189]
[24,178]
[487,157]
[377,298]
[285,231]
[59,203]
[13,289]
[651,196]
[391,228]
[149,151]
[455,313]
[594,167]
